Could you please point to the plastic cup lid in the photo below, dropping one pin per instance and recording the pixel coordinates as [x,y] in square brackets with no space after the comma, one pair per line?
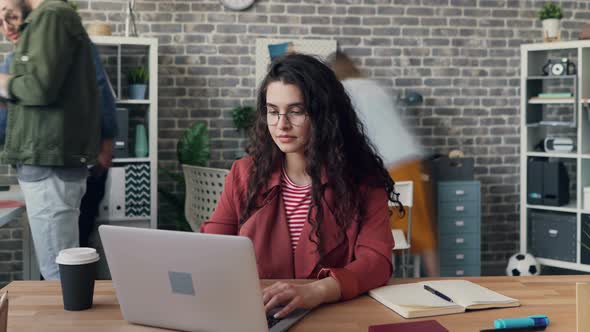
[77,256]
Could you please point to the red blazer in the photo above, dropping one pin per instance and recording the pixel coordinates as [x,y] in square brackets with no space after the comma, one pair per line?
[360,261]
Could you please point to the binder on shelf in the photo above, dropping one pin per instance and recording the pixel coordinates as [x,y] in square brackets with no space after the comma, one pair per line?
[137,190]
[121,141]
[113,203]
[127,192]
[547,183]
[534,182]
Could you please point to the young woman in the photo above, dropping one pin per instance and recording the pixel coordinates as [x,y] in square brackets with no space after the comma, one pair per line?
[313,193]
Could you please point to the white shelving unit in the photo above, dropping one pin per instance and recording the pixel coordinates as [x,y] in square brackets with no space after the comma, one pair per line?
[552,154]
[131,160]
[133,102]
[119,48]
[534,128]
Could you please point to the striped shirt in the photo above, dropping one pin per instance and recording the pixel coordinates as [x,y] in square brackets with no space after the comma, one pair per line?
[297,200]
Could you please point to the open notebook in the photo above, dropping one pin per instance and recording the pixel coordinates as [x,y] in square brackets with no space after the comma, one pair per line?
[412,300]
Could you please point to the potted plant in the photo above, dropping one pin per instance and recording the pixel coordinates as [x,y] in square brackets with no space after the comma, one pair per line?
[550,15]
[193,148]
[137,78]
[243,117]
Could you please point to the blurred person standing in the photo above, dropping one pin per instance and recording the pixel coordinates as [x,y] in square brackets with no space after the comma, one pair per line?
[95,183]
[400,152]
[53,120]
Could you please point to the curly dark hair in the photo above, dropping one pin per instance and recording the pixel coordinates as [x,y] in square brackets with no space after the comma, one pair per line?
[337,143]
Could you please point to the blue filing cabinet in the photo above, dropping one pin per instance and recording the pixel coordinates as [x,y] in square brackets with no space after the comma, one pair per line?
[459,220]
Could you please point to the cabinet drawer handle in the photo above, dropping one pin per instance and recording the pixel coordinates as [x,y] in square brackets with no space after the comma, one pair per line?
[553,233]
[459,223]
[459,192]
[459,272]
[460,208]
[459,257]
[459,240]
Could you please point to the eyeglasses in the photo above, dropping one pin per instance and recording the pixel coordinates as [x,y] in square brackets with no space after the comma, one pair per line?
[294,118]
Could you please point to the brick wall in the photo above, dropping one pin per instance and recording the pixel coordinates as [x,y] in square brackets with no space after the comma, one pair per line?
[462,55]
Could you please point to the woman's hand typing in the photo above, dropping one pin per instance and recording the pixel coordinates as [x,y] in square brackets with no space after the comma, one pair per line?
[293,296]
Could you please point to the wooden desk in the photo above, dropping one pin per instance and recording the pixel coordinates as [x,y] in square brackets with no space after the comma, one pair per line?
[37,306]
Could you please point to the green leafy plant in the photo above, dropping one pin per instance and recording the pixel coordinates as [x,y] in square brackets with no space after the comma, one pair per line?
[550,10]
[137,75]
[243,117]
[193,148]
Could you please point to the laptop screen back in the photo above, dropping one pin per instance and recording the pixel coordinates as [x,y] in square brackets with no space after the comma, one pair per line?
[186,281]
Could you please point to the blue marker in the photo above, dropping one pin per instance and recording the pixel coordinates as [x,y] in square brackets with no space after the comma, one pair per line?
[530,321]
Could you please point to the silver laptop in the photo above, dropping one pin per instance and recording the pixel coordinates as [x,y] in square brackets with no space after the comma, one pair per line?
[187,281]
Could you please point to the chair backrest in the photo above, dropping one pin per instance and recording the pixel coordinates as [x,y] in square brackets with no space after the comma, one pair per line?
[406,193]
[203,188]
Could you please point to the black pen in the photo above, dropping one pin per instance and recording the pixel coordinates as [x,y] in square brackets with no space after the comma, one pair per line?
[437,293]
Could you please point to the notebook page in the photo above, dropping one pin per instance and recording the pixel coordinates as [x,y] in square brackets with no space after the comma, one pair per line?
[468,294]
[409,295]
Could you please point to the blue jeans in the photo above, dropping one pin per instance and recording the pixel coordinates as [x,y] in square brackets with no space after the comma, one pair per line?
[53,208]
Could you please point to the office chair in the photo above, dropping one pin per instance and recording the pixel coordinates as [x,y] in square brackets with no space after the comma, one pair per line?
[203,188]
[403,243]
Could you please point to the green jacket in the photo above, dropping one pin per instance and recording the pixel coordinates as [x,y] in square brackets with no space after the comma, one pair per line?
[53,112]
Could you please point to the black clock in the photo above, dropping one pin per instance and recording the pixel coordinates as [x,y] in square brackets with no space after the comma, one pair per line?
[559,67]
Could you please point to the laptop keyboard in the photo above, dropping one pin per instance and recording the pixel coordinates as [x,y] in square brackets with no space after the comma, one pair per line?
[271,321]
[285,322]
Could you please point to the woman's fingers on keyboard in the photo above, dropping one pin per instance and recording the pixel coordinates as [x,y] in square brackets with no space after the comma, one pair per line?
[280,296]
[269,292]
[286,310]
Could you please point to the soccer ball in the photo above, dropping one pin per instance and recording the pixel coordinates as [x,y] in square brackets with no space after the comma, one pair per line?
[523,265]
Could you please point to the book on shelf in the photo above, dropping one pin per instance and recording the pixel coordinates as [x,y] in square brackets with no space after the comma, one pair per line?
[414,300]
[555,95]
